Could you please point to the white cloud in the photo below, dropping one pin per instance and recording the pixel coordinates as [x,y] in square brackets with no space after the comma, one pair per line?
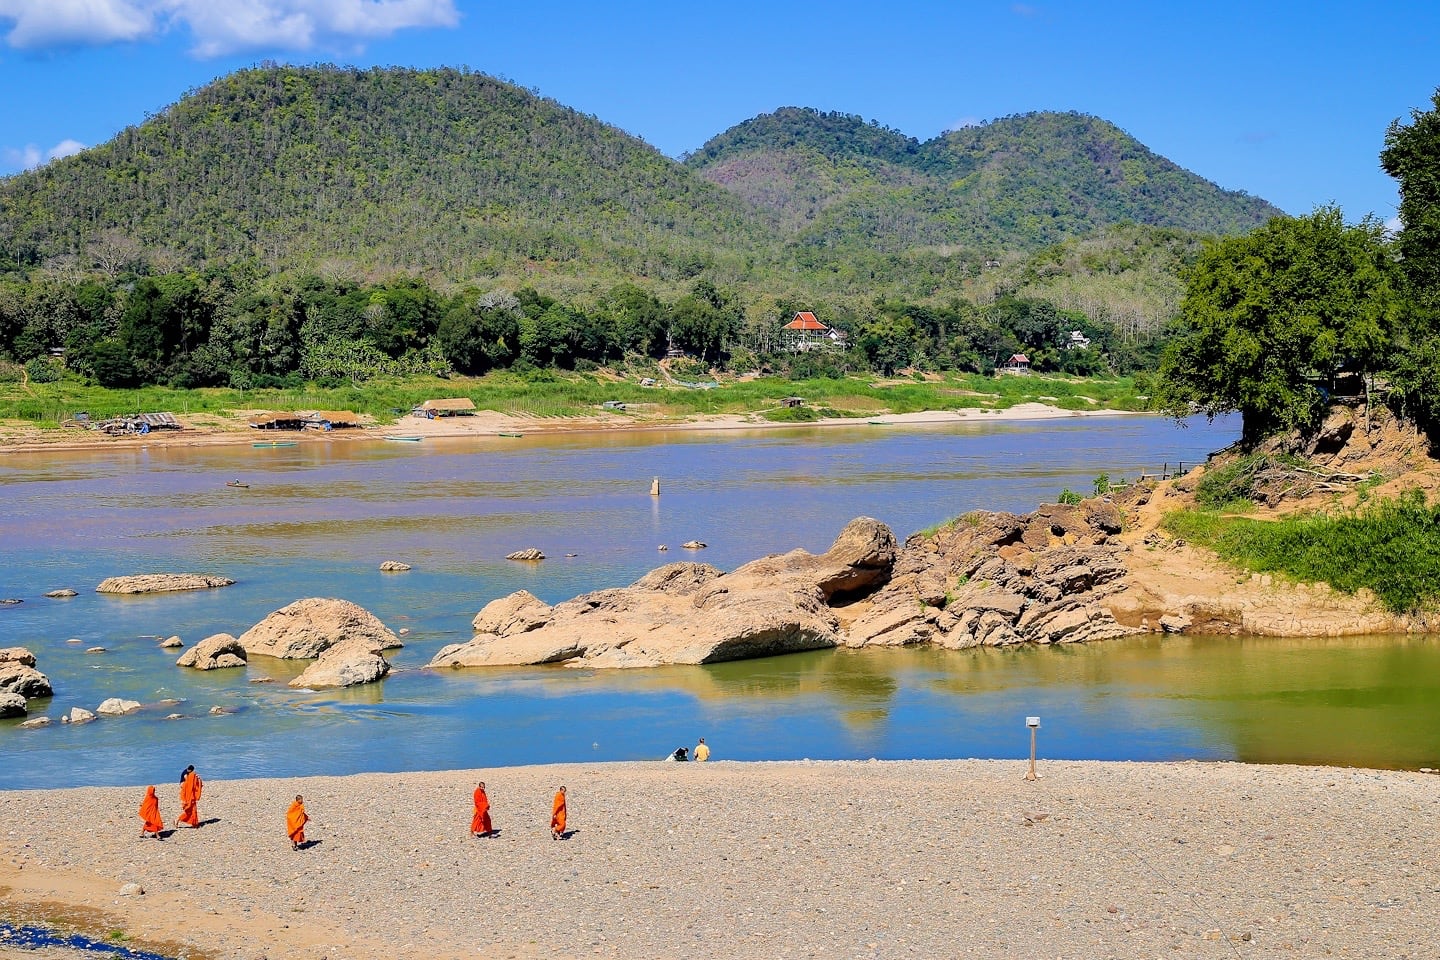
[218,27]
[30,156]
[1394,225]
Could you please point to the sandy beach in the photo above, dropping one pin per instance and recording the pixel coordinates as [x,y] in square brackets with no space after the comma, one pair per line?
[206,429]
[746,860]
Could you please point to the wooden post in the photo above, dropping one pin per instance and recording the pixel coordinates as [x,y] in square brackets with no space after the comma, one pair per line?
[1034,724]
[655,487]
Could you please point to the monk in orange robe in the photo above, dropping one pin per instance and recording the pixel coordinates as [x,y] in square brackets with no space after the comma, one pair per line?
[150,822]
[480,825]
[295,820]
[557,815]
[190,787]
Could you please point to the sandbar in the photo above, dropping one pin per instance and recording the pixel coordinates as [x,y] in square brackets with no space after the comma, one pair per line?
[960,858]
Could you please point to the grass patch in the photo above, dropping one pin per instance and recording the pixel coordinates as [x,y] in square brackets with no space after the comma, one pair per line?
[1235,482]
[1390,547]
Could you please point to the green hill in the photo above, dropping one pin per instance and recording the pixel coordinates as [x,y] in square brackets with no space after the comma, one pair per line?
[441,171]
[1015,184]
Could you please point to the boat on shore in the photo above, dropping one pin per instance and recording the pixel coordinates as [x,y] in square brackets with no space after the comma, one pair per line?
[238,484]
[510,434]
[416,438]
[275,443]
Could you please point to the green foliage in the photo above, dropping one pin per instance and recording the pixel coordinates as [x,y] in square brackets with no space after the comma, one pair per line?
[791,415]
[42,370]
[1069,497]
[1270,318]
[1391,547]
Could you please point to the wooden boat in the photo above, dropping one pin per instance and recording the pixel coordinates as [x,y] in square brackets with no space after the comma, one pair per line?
[276,443]
[240,484]
[405,439]
[511,434]
[879,423]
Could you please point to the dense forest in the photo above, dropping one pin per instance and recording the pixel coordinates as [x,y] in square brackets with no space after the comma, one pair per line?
[324,222]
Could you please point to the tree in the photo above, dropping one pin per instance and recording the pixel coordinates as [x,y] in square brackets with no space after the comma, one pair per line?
[1268,317]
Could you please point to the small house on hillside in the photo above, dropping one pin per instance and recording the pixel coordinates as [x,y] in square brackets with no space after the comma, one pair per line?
[1018,363]
[450,407]
[1077,341]
[806,332]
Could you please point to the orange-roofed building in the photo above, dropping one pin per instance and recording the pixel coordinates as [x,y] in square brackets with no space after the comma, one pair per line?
[805,332]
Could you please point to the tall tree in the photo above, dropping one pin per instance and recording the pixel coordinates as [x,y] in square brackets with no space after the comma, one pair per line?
[1269,316]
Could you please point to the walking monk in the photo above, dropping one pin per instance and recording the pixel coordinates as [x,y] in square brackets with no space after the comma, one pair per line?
[190,787]
[557,815]
[480,825]
[295,820]
[150,822]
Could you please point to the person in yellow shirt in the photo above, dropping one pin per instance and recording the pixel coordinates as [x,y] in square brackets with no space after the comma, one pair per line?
[702,752]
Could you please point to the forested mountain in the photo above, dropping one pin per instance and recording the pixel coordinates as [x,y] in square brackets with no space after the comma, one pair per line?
[1015,184]
[453,173]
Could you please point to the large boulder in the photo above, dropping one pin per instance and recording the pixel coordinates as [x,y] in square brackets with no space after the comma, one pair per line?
[117,707]
[307,628]
[17,655]
[215,652]
[688,612]
[11,705]
[345,664]
[162,583]
[19,678]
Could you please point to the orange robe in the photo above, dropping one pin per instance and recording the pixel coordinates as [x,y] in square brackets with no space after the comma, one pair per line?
[295,820]
[557,814]
[150,812]
[190,789]
[480,823]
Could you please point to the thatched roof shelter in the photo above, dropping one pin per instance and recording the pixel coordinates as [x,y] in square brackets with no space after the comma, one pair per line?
[277,420]
[448,407]
[335,418]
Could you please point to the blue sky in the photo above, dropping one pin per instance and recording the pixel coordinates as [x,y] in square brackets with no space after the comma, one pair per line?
[1287,101]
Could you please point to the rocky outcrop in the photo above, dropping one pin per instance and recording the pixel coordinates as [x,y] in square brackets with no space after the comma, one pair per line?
[216,652]
[117,707]
[529,553]
[995,579]
[161,583]
[77,715]
[61,594]
[171,643]
[11,705]
[394,566]
[688,612]
[307,628]
[17,655]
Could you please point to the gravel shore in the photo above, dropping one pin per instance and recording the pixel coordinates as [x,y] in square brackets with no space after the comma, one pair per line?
[757,860]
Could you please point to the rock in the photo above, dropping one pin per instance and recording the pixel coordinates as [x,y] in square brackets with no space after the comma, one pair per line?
[403,632]
[517,613]
[262,679]
[216,652]
[1175,623]
[530,553]
[345,664]
[10,601]
[35,722]
[394,566]
[688,612]
[694,545]
[161,583]
[132,890]
[307,628]
[57,594]
[116,707]
[17,677]
[77,715]
[171,643]
[174,716]
[94,649]
[220,711]
[17,655]
[662,548]
[12,705]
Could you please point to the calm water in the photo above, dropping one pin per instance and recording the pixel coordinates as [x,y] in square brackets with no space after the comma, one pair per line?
[319,517]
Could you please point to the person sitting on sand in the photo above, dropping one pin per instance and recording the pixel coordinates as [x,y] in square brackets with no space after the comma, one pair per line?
[557,815]
[480,825]
[702,752]
[190,787]
[150,822]
[295,820]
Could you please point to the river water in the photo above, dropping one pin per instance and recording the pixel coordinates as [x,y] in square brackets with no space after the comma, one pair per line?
[318,518]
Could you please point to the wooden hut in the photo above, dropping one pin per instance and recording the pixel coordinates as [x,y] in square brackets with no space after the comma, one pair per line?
[328,419]
[277,420]
[449,407]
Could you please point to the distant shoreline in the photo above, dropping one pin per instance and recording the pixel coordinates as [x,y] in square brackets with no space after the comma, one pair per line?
[21,438]
[729,860]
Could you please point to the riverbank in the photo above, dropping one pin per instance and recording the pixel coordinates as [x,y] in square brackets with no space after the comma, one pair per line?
[207,429]
[740,860]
